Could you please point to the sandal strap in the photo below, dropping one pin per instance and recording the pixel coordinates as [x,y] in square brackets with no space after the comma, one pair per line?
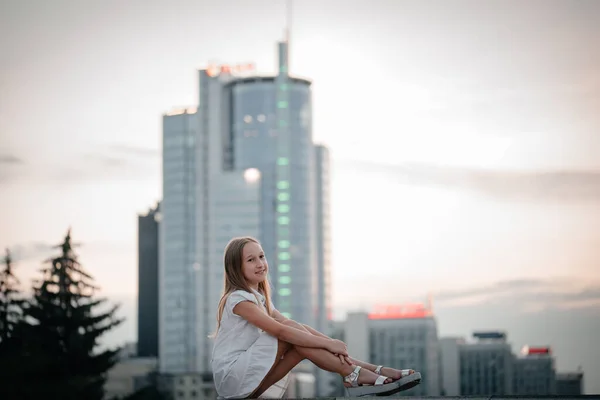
[352,377]
[378,369]
[380,380]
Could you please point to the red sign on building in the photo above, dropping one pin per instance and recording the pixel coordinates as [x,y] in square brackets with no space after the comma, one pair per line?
[214,70]
[403,311]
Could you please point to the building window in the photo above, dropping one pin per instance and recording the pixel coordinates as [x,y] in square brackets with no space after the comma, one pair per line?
[282,161]
[285,291]
[285,280]
[284,268]
[248,119]
[282,185]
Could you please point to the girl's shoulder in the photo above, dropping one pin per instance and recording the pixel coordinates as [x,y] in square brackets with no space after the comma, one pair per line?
[238,296]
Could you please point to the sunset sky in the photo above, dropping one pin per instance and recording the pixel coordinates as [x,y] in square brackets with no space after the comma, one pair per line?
[465,138]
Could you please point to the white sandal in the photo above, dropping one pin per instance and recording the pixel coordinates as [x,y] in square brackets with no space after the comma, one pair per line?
[378,388]
[407,379]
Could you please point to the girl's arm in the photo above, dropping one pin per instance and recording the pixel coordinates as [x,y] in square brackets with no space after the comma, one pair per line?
[315,332]
[251,313]
[281,318]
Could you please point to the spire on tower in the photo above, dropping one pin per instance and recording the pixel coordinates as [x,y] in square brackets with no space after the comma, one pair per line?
[288,20]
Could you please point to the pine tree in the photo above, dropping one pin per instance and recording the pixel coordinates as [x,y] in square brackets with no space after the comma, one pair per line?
[62,331]
[10,304]
[12,377]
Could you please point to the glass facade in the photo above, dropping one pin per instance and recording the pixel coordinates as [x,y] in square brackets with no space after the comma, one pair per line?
[235,210]
[323,235]
[177,245]
[486,369]
[270,130]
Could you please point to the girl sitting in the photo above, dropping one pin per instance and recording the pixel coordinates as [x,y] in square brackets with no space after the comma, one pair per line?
[256,346]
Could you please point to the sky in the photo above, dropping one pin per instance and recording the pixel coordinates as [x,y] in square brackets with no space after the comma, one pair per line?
[468,128]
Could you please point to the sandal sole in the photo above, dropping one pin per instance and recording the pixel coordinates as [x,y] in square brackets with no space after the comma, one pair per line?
[408,382]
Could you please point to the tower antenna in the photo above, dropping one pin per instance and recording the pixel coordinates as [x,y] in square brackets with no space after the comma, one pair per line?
[288,20]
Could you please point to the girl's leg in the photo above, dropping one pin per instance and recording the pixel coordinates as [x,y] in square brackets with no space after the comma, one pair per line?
[389,372]
[283,348]
[320,357]
[281,368]
[330,362]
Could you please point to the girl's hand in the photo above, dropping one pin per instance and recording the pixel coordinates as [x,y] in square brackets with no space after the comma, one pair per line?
[344,359]
[338,347]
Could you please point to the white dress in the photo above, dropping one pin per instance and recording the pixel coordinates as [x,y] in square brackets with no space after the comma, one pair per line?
[243,354]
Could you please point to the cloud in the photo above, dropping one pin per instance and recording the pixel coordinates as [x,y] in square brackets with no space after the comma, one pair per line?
[134,150]
[31,251]
[10,159]
[10,167]
[500,287]
[559,185]
[120,161]
[526,295]
[115,162]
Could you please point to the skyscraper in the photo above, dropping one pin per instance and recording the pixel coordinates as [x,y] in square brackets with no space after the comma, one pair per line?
[323,243]
[243,163]
[147,329]
[323,234]
[180,339]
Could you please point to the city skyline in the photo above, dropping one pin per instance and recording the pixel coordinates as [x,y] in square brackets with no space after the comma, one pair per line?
[507,197]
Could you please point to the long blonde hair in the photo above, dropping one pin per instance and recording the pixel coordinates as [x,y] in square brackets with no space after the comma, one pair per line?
[234,277]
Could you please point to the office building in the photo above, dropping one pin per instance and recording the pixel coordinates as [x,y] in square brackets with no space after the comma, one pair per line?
[180,339]
[569,383]
[128,375]
[486,365]
[400,337]
[450,365]
[147,324]
[269,130]
[323,233]
[534,372]
[240,163]
[323,243]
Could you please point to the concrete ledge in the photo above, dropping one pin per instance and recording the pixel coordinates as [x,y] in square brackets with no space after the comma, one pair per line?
[588,397]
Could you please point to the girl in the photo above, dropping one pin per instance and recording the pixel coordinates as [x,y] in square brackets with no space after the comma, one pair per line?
[256,347]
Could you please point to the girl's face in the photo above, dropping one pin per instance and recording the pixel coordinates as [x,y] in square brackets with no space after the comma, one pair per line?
[254,264]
